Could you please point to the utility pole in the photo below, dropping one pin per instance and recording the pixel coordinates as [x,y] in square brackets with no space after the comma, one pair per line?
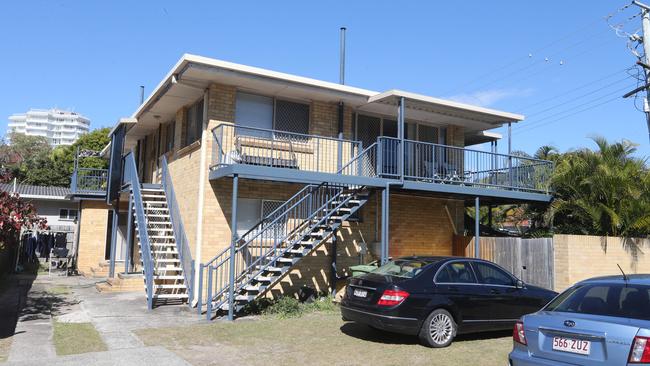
[645,23]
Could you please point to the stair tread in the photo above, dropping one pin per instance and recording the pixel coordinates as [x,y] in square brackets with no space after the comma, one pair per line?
[170,296]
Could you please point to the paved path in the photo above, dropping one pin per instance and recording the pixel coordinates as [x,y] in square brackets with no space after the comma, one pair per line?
[143,356]
[31,306]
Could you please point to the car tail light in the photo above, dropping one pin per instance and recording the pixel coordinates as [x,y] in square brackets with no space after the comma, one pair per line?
[640,352]
[392,297]
[518,334]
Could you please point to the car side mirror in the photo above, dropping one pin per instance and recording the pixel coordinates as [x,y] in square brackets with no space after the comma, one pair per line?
[519,284]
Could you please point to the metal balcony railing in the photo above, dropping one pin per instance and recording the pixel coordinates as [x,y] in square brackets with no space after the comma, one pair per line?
[421,162]
[89,181]
[443,164]
[280,149]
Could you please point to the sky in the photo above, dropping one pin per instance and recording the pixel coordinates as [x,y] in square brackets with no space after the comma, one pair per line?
[558,62]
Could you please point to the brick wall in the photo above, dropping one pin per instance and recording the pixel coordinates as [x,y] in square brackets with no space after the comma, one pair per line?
[578,257]
[92,234]
[421,226]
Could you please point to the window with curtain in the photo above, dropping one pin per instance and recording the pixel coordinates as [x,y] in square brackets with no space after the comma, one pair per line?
[193,122]
[267,113]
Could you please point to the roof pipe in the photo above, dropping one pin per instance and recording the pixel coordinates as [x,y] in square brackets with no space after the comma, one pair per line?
[342,82]
[342,57]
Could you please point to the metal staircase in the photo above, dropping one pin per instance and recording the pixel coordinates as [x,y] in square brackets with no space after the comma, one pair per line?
[168,277]
[164,254]
[269,250]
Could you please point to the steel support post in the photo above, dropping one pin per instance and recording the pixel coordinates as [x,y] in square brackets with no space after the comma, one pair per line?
[233,225]
[400,132]
[129,236]
[333,274]
[111,268]
[385,211]
[477,223]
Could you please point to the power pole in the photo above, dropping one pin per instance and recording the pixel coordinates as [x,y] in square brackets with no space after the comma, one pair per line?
[645,23]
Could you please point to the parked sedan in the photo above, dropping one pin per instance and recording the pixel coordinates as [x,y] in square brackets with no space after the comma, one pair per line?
[601,321]
[440,297]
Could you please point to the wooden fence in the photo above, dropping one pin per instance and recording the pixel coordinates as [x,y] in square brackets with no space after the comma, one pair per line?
[531,260]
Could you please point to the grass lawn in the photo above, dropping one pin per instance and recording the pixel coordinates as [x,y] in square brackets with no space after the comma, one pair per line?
[74,338]
[318,339]
[5,346]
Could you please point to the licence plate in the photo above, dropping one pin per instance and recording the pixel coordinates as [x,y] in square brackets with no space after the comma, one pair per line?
[571,345]
[360,293]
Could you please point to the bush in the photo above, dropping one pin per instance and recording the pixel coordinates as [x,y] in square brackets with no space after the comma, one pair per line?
[290,307]
[285,307]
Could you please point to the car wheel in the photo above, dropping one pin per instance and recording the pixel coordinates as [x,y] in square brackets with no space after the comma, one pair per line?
[438,329]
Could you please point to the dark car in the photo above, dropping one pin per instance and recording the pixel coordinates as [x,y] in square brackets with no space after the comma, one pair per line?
[440,297]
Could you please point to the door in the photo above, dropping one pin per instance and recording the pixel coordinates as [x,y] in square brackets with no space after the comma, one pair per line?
[456,281]
[504,301]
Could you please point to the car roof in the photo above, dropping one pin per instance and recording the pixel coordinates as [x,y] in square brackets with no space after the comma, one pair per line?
[439,259]
[638,279]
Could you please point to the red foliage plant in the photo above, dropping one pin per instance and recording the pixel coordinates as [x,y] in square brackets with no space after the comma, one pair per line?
[15,213]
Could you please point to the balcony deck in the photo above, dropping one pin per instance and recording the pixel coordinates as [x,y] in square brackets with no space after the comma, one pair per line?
[417,166]
[89,183]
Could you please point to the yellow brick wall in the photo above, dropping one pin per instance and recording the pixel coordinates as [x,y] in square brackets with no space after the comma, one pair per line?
[92,234]
[578,257]
[420,226]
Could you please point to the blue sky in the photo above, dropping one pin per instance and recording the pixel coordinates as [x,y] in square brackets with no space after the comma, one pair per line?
[92,56]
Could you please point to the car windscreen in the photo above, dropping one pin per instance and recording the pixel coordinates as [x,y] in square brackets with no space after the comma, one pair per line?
[608,299]
[408,268]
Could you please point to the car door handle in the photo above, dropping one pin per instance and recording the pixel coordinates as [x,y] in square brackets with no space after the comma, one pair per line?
[453,289]
[494,291]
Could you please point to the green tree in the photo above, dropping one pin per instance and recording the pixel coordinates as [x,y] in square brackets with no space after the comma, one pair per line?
[43,165]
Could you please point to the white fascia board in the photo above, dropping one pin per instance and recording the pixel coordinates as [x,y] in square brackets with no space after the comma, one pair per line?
[395,93]
[49,198]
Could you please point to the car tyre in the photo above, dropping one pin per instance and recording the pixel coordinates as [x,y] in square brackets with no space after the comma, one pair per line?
[438,329]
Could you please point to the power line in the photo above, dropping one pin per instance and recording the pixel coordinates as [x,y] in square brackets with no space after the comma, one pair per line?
[526,57]
[546,61]
[570,91]
[571,114]
[579,97]
[536,123]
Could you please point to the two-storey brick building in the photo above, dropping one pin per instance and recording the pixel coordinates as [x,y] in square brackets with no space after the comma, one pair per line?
[253,182]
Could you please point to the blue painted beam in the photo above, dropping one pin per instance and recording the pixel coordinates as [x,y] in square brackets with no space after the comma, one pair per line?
[309,177]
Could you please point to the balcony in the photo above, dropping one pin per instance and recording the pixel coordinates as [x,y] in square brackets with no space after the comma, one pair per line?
[89,182]
[279,155]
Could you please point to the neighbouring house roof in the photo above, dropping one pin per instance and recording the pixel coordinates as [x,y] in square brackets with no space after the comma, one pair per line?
[192,74]
[38,192]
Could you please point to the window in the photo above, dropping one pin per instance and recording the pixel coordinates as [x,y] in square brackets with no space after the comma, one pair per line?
[402,268]
[456,272]
[168,144]
[262,113]
[617,299]
[193,122]
[251,210]
[292,117]
[492,275]
[66,214]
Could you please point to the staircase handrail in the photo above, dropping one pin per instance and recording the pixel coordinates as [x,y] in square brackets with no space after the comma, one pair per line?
[180,237]
[131,178]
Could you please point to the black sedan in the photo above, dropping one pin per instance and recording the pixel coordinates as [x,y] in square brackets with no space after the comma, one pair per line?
[440,297]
